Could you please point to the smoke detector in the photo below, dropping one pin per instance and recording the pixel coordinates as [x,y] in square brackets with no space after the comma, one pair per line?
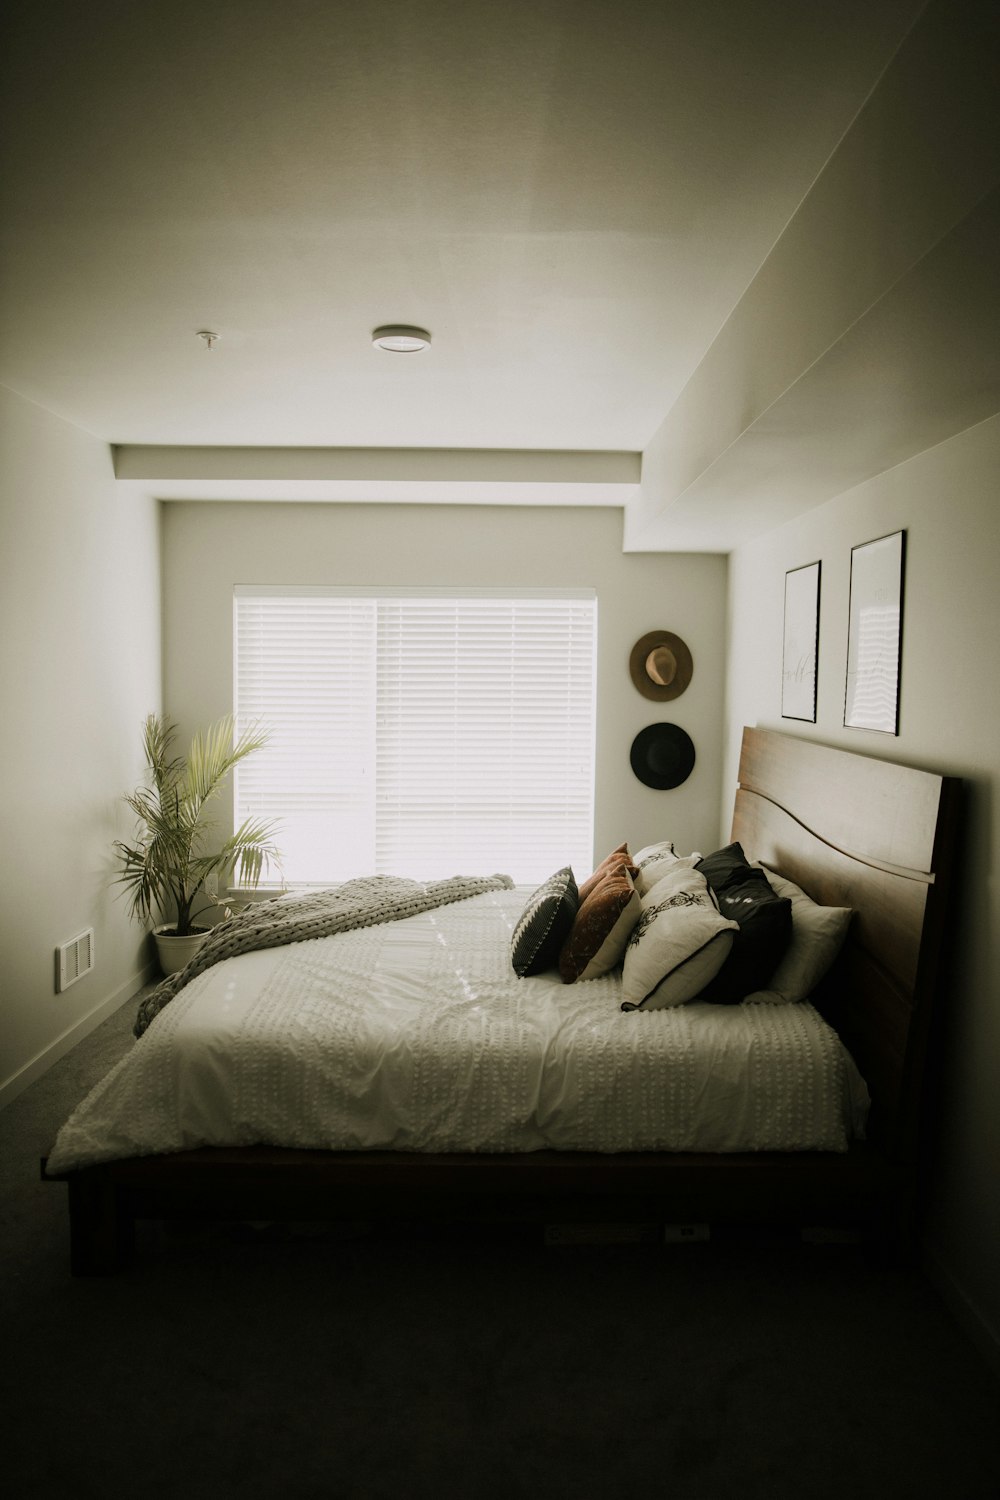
[400,338]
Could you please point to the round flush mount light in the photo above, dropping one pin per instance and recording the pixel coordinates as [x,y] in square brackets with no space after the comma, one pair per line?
[400,338]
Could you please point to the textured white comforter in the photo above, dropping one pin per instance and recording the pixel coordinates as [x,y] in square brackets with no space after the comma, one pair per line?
[417,1036]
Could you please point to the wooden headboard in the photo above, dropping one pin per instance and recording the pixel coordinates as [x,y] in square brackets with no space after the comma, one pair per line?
[880,838]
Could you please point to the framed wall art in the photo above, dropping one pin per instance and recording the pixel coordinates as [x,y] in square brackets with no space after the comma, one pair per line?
[801,643]
[875,634]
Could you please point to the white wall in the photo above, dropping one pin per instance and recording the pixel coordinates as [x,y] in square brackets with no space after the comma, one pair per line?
[947,501]
[871,330]
[210,547]
[79,668]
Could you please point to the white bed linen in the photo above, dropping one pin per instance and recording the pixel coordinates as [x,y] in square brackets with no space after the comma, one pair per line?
[417,1036]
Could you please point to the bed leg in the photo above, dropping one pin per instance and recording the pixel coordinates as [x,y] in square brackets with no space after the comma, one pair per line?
[102,1238]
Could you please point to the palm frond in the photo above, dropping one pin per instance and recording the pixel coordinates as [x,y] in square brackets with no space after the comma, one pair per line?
[214,753]
[257,852]
[157,738]
[249,852]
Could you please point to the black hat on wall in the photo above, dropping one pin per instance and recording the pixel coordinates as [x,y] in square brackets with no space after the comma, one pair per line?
[662,756]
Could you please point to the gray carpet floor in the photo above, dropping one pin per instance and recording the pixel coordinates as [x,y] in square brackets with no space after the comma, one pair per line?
[307,1361]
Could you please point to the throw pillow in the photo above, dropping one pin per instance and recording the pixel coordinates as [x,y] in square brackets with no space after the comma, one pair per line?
[652,863]
[604,921]
[818,934]
[614,861]
[679,942]
[544,924]
[724,867]
[657,860]
[765,930]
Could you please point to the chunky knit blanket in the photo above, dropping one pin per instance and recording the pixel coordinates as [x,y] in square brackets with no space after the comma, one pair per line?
[357,903]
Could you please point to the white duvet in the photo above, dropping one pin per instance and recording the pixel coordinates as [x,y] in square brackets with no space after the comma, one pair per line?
[417,1036]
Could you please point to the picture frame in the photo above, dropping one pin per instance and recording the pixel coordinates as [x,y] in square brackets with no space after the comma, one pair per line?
[875,634]
[800,648]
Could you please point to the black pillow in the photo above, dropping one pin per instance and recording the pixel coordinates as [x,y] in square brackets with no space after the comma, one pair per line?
[544,925]
[724,867]
[765,923]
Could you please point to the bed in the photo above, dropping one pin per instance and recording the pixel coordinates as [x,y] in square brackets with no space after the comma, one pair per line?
[605,1139]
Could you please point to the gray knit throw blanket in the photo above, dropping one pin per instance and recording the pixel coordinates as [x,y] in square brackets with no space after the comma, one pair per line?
[357,903]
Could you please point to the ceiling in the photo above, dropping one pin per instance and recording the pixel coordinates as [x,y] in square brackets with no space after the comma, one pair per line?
[572,195]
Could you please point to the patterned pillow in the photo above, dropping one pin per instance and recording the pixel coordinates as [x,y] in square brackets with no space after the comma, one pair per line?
[652,863]
[544,924]
[818,934]
[765,930]
[615,860]
[604,921]
[680,941]
[657,860]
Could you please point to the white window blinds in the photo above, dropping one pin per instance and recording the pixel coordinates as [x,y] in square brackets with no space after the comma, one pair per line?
[419,734]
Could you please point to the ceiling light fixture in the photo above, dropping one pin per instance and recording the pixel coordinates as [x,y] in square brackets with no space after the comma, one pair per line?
[400,338]
[211,339]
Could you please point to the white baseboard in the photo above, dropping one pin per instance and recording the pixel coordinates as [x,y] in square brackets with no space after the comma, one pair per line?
[969,1318]
[44,1060]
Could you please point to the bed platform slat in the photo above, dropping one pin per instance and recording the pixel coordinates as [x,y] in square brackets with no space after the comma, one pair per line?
[857,1190]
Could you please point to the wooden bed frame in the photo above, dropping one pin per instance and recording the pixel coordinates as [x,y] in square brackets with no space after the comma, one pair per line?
[851,830]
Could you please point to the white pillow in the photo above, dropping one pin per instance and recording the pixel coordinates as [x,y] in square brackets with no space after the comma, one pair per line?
[818,934]
[679,943]
[657,860]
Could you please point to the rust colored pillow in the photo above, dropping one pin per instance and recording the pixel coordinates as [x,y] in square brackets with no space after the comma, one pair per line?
[616,860]
[602,927]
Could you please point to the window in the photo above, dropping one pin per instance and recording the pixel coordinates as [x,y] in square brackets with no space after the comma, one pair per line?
[419,733]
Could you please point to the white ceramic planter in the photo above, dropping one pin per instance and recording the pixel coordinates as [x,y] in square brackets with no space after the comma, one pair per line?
[175,953]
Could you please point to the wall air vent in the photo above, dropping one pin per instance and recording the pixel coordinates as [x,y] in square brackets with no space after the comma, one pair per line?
[74,959]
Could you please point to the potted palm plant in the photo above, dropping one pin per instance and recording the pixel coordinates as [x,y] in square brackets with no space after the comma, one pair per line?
[175,851]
